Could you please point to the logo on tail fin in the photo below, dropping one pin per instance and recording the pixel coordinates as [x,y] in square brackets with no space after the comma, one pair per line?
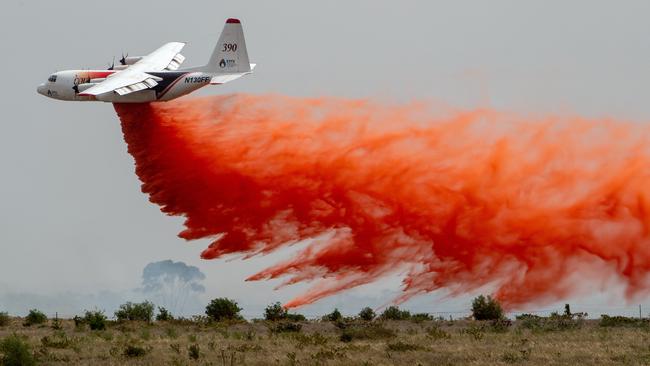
[222,63]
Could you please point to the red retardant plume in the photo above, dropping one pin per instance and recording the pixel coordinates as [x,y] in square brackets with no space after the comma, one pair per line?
[455,200]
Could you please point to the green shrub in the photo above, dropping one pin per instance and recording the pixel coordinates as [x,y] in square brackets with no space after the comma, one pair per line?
[56,323]
[394,313]
[35,317]
[367,314]
[486,308]
[57,340]
[164,315]
[135,311]
[275,312]
[500,325]
[420,317]
[554,322]
[132,351]
[287,328]
[223,309]
[15,352]
[95,319]
[400,346]
[436,333]
[334,316]
[622,321]
[194,352]
[79,322]
[475,331]
[4,319]
[530,321]
[366,331]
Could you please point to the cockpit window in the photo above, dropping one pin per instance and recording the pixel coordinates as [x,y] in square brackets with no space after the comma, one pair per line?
[52,79]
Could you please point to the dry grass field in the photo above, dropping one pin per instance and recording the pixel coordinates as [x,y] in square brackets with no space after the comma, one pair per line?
[355,342]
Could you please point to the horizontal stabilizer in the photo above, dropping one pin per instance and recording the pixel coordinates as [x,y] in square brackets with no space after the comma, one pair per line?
[224,78]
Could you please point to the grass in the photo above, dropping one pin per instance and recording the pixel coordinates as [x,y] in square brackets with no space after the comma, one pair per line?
[381,342]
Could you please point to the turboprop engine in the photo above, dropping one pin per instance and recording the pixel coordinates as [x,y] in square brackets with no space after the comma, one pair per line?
[130,60]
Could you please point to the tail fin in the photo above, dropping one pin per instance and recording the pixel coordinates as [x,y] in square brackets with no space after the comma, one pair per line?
[230,55]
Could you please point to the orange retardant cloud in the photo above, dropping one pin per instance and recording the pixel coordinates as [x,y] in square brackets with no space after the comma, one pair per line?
[451,200]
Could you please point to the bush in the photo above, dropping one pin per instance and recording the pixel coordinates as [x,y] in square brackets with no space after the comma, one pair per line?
[500,325]
[58,340]
[420,317]
[56,323]
[194,352]
[35,317]
[400,346]
[394,313]
[222,309]
[287,328]
[622,321]
[436,333]
[367,314]
[486,308]
[164,315]
[135,311]
[366,331]
[134,351]
[4,319]
[334,316]
[95,319]
[275,312]
[554,322]
[15,352]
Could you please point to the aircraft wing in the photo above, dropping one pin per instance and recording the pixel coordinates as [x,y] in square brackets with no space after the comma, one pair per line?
[167,57]
[123,82]
[135,77]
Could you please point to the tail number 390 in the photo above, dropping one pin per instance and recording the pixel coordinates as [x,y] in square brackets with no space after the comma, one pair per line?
[229,47]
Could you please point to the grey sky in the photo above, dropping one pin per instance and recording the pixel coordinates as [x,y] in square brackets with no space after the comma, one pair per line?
[72,217]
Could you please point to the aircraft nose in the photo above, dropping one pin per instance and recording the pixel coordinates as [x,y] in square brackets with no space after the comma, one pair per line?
[42,89]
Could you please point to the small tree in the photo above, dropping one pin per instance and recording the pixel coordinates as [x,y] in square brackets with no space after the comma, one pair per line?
[136,311]
[334,316]
[4,319]
[15,352]
[367,314]
[35,317]
[96,320]
[222,309]
[275,312]
[394,313]
[486,308]
[164,315]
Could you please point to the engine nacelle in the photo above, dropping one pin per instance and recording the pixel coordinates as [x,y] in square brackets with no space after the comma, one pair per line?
[131,60]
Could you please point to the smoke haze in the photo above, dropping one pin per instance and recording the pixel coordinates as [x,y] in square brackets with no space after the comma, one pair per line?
[454,199]
[172,284]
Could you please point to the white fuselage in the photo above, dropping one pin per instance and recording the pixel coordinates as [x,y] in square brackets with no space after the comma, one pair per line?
[67,85]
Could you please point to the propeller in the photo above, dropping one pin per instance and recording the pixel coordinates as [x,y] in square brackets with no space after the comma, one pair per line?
[112,66]
[123,59]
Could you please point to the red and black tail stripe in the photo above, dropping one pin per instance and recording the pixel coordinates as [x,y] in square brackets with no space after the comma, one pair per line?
[169,79]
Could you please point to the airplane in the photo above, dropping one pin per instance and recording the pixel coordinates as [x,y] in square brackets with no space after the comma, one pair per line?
[156,77]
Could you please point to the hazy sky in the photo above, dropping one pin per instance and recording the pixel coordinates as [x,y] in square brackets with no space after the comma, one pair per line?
[73,223]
